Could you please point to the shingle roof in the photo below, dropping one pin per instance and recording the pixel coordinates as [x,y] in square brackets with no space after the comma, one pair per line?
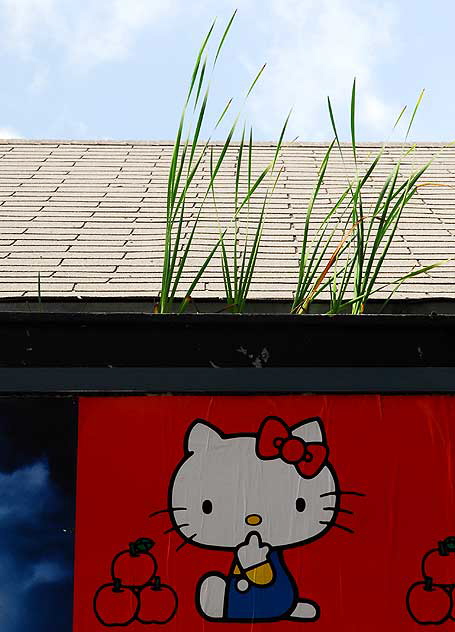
[89,216]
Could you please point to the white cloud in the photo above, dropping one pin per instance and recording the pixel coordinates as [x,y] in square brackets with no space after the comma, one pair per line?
[86,33]
[9,132]
[26,493]
[24,22]
[316,48]
[45,571]
[109,32]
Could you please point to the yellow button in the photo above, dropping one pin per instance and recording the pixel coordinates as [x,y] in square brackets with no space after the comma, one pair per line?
[253,519]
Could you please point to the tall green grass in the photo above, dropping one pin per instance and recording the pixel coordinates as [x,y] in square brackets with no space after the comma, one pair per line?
[189,156]
[346,254]
[238,273]
[341,255]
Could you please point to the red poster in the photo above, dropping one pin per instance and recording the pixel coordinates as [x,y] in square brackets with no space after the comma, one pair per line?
[197,512]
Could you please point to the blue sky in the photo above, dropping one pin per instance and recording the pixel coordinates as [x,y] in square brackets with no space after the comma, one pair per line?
[118,69]
[37,505]
[34,554]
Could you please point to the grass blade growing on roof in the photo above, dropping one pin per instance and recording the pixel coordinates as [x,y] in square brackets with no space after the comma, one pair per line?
[187,160]
[238,274]
[354,266]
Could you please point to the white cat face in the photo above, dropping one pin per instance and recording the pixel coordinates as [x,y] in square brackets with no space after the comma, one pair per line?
[222,491]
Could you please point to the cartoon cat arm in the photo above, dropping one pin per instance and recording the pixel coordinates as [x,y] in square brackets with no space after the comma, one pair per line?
[201,435]
[252,552]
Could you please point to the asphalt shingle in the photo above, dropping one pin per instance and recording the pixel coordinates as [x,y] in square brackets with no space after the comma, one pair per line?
[90,217]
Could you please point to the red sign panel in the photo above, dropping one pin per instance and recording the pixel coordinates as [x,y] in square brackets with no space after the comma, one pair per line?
[195,512]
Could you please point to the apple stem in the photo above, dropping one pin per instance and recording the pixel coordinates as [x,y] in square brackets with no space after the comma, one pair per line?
[157,583]
[117,585]
[428,583]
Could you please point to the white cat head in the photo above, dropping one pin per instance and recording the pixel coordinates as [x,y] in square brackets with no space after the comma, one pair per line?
[223,490]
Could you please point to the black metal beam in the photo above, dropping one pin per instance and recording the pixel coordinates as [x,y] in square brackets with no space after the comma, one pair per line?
[140,380]
[225,341]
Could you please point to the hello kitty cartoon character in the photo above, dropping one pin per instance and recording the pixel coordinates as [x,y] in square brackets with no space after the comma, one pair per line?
[254,495]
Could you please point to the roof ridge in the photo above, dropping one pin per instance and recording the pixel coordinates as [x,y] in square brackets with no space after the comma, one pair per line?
[29,141]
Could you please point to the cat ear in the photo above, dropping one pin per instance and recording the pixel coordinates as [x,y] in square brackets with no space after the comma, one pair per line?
[201,436]
[310,430]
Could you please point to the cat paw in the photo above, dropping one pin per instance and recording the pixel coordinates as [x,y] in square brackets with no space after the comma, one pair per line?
[252,552]
[210,596]
[308,610]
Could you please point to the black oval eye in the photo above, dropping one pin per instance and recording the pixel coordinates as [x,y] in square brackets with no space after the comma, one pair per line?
[207,506]
[300,504]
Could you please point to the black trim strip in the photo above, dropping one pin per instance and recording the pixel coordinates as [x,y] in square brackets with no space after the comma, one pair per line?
[192,341]
[139,380]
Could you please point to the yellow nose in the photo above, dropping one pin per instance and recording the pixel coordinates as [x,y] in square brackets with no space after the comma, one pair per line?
[253,519]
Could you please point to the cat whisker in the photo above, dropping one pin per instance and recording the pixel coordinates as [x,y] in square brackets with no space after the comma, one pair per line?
[346,511]
[185,524]
[186,542]
[160,511]
[335,524]
[340,493]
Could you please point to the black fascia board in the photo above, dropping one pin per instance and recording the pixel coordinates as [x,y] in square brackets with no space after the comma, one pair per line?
[220,353]
[225,341]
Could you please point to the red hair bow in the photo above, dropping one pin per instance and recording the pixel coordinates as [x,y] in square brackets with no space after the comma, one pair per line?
[275,440]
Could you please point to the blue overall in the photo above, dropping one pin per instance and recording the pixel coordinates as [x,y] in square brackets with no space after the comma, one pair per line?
[271,601]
